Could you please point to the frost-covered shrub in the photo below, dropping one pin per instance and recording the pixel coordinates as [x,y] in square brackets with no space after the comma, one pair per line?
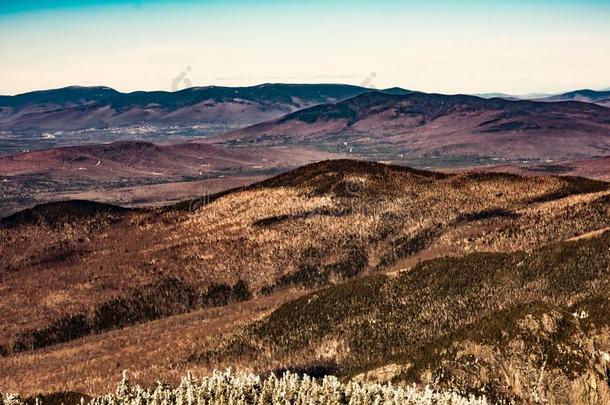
[10,399]
[248,389]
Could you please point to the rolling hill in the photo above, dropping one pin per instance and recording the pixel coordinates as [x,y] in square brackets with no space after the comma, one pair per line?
[136,159]
[357,269]
[135,172]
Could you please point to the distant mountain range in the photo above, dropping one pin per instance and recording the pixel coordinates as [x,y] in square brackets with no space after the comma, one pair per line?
[433,126]
[75,107]
[78,108]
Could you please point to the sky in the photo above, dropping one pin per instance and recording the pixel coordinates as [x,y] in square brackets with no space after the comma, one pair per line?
[468,46]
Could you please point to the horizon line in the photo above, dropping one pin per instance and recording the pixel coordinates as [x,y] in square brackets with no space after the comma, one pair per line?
[534,92]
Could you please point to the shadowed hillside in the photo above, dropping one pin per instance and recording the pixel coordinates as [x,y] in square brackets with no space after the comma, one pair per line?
[61,213]
[511,326]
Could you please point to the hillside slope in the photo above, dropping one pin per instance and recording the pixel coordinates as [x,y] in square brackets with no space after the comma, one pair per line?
[315,226]
[525,326]
[96,269]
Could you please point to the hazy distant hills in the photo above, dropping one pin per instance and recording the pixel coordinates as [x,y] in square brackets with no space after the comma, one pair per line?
[584,95]
[75,107]
[427,126]
[588,96]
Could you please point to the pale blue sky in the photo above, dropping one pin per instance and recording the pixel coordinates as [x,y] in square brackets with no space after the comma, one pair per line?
[441,46]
